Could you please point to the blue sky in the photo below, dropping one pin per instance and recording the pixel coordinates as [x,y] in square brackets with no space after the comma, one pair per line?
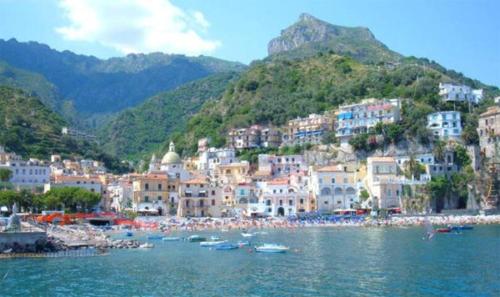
[459,34]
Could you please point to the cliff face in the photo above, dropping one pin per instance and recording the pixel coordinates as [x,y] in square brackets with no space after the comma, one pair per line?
[310,35]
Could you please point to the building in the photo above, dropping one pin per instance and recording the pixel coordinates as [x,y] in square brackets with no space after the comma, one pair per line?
[77,134]
[270,137]
[445,125]
[90,183]
[333,188]
[199,199]
[171,164]
[232,174]
[279,197]
[384,184]
[247,202]
[31,174]
[244,138]
[309,130]
[121,194]
[210,158]
[279,166]
[450,92]
[489,132]
[253,137]
[150,194]
[353,119]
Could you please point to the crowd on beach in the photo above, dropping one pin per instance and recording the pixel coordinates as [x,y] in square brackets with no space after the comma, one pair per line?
[227,224]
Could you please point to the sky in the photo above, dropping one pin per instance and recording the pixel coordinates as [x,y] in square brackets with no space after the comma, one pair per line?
[463,35]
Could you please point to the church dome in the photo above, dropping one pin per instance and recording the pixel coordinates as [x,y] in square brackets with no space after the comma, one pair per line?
[171,157]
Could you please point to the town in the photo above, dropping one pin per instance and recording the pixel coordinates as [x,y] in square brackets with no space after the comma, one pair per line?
[306,166]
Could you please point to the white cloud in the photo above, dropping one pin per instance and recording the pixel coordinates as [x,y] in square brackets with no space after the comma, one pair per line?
[137,26]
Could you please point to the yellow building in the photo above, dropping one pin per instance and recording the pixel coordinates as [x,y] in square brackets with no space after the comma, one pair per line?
[151,194]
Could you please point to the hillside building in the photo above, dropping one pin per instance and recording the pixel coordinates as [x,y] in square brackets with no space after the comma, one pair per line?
[445,125]
[308,130]
[489,132]
[353,119]
[450,92]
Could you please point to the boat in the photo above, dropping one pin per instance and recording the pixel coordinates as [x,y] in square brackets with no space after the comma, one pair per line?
[462,227]
[443,230]
[155,237]
[147,246]
[166,238]
[215,238]
[129,234]
[212,243]
[247,235]
[271,248]
[243,243]
[226,246]
[196,238]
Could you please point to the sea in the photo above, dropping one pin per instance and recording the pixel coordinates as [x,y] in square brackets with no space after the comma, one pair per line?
[322,261]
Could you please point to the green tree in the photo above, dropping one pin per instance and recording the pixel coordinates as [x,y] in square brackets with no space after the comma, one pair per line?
[462,156]
[5,174]
[438,188]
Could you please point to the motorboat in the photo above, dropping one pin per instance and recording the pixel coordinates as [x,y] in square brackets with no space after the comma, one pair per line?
[271,248]
[155,237]
[212,243]
[129,234]
[443,230]
[226,246]
[215,238]
[166,238]
[196,238]
[147,246]
[247,235]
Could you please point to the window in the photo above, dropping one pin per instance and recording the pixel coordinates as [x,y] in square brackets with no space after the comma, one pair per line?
[269,210]
[187,203]
[159,187]
[213,192]
[301,201]
[290,202]
[201,203]
[268,202]
[146,199]
[213,202]
[146,186]
[333,180]
[159,198]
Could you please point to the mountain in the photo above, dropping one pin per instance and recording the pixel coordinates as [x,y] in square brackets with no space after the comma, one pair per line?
[31,129]
[31,82]
[310,35]
[105,86]
[275,90]
[143,128]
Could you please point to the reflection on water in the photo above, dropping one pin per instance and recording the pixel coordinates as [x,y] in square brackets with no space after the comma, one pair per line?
[322,262]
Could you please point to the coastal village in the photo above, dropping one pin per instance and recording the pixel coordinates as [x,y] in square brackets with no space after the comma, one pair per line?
[324,177]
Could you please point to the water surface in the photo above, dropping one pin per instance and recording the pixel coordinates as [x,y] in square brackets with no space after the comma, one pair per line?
[323,262]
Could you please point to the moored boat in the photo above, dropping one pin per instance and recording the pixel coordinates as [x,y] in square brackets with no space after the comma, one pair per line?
[155,237]
[271,248]
[443,230]
[196,238]
[247,235]
[147,246]
[129,234]
[242,243]
[212,243]
[226,246]
[166,238]
[462,227]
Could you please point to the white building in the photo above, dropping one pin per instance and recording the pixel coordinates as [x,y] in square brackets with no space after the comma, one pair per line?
[359,118]
[459,93]
[25,174]
[212,157]
[172,165]
[445,124]
[279,197]
[87,182]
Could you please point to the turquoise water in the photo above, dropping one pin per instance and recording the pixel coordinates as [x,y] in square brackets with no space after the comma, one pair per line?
[323,262]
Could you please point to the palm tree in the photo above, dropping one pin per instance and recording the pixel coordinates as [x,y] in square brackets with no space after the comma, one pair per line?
[439,150]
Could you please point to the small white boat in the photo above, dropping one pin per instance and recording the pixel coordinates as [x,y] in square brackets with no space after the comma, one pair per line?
[166,238]
[247,235]
[271,248]
[147,246]
[212,243]
[214,238]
